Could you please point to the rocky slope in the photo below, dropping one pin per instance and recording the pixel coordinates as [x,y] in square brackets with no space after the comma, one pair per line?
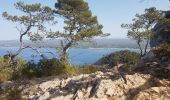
[97,86]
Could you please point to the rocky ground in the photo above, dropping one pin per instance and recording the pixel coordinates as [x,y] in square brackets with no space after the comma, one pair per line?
[96,86]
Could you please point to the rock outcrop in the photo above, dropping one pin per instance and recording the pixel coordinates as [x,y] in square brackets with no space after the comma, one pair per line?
[161,32]
[99,86]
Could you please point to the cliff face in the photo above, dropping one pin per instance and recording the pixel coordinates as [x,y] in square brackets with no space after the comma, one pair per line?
[161,32]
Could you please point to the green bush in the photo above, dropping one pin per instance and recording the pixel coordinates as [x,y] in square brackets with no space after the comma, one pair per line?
[8,72]
[28,70]
[53,67]
[17,71]
[13,93]
[5,70]
[31,71]
[163,50]
[88,69]
[125,57]
[48,67]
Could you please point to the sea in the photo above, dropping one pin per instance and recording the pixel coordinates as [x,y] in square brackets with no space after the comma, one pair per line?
[77,56]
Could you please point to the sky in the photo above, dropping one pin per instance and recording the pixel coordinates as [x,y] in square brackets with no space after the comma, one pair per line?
[111,14]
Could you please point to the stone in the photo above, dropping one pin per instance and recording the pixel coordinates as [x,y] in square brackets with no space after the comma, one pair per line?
[109,92]
[154,93]
[78,95]
[161,32]
[5,85]
[95,88]
[44,86]
[45,96]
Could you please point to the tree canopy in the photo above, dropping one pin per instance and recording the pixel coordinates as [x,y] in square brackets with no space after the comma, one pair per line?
[32,22]
[141,27]
[79,23]
[34,15]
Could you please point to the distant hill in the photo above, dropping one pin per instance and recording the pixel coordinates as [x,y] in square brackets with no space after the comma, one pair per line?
[95,43]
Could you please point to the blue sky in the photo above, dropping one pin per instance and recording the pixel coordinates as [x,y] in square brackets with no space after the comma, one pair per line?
[111,14]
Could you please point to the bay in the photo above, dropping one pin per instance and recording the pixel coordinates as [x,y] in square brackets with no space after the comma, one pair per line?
[78,56]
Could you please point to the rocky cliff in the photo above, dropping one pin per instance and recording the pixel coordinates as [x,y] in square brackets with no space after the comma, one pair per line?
[161,32]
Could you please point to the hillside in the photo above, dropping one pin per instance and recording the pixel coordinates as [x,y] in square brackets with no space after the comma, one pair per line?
[96,43]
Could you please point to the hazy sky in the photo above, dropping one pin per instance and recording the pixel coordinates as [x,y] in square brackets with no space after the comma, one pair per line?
[111,14]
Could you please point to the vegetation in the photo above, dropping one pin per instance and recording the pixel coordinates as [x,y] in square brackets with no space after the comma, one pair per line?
[7,72]
[163,50]
[141,28]
[53,67]
[34,17]
[126,57]
[50,67]
[79,22]
[88,69]
[31,71]
[13,93]
[80,25]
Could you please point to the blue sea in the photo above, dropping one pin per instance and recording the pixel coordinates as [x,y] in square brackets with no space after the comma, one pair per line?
[78,56]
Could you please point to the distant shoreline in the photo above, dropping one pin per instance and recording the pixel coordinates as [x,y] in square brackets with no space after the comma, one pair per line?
[95,43]
[73,47]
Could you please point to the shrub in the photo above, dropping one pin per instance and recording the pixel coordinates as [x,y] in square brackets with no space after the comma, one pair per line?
[8,72]
[31,70]
[17,71]
[163,50]
[54,67]
[126,57]
[88,69]
[5,70]
[13,93]
[48,67]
